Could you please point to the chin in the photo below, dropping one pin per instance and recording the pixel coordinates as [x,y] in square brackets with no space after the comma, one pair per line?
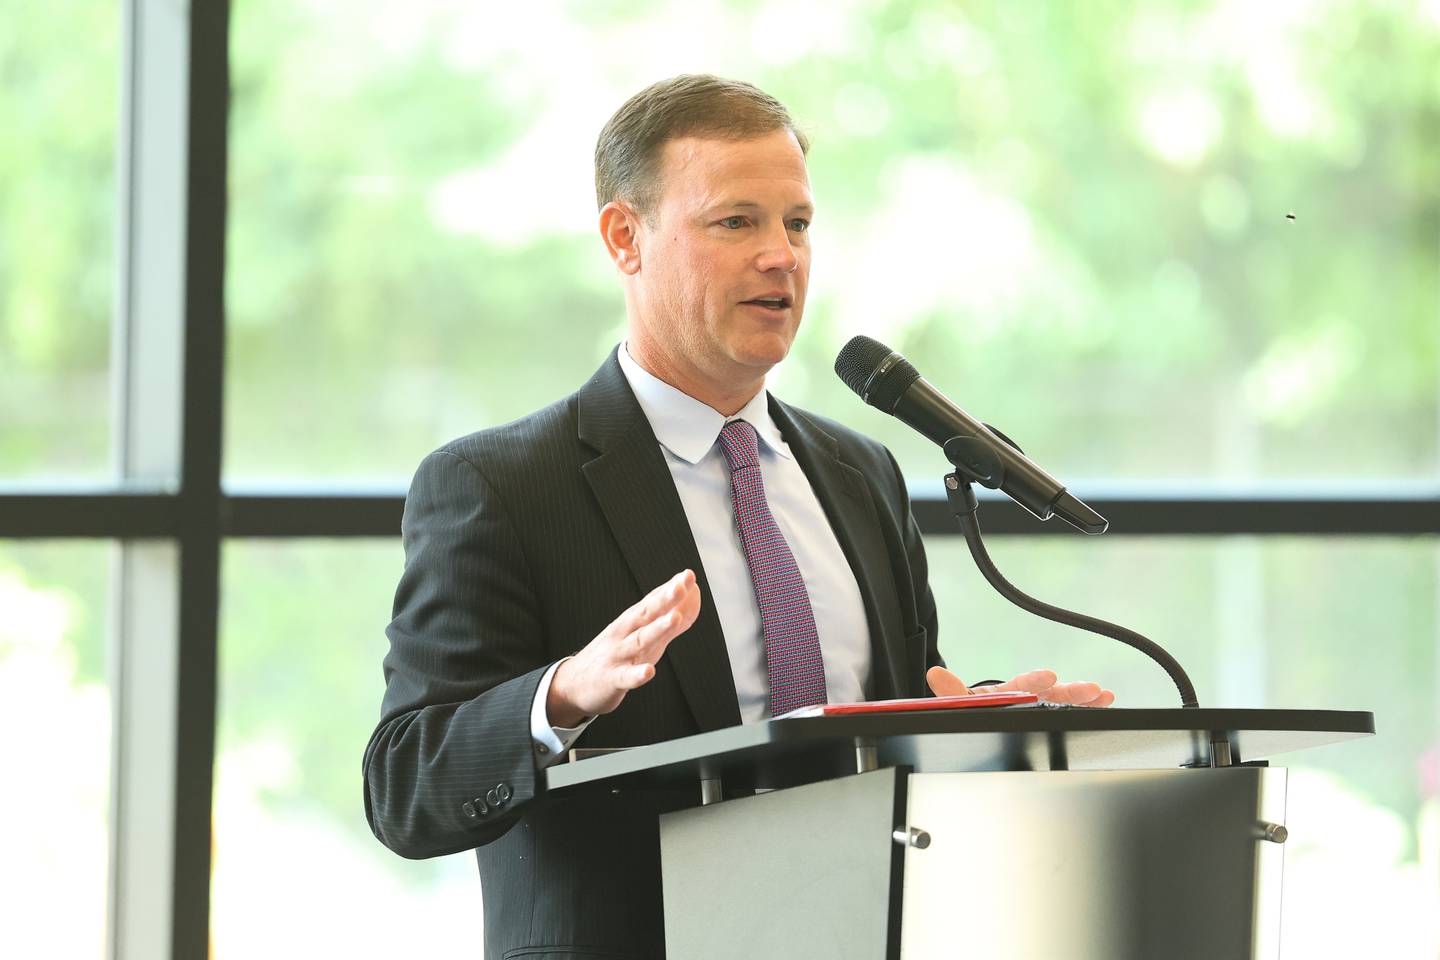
[762,350]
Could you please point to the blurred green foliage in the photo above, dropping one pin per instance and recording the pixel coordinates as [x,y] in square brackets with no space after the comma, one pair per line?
[59,97]
[300,649]
[68,577]
[1075,216]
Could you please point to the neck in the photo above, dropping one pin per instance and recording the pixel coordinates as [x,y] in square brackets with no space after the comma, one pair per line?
[726,397]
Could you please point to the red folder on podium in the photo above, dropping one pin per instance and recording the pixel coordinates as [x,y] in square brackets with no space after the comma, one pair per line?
[1002,699]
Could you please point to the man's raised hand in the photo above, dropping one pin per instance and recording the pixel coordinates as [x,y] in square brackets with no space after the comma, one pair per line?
[1040,682]
[623,656]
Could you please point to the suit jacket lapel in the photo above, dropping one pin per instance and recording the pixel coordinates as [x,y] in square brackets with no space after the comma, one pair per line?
[637,496]
[845,498]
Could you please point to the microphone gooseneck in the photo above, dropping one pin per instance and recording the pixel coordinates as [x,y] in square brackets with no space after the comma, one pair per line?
[963,503]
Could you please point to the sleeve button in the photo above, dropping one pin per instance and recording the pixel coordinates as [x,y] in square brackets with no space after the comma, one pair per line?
[504,791]
[492,796]
[468,809]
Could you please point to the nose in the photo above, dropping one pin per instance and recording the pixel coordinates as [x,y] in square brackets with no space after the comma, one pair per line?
[777,253]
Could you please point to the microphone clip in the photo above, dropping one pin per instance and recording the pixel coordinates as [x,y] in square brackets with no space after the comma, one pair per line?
[975,461]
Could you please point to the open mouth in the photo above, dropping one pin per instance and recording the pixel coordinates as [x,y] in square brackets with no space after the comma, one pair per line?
[770,303]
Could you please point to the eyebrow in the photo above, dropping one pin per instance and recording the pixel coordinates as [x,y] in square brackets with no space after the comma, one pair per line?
[753,205]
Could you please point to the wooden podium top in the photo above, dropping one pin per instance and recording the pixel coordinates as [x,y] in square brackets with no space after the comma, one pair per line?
[791,751]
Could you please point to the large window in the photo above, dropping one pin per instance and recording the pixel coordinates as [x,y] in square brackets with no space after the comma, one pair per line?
[1187,255]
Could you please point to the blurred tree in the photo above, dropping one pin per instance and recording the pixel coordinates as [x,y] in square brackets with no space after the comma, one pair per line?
[59,97]
[1038,200]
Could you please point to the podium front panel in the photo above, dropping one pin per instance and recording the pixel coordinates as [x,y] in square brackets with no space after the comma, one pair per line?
[807,872]
[1122,865]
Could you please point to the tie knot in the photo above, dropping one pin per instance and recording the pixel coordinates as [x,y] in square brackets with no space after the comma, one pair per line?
[741,443]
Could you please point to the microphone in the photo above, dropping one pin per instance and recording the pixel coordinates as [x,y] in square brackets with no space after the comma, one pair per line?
[982,454]
[890,383]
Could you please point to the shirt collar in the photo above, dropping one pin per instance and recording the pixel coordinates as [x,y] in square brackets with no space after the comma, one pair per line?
[687,427]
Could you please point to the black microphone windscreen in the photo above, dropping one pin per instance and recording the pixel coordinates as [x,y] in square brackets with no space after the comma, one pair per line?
[857,364]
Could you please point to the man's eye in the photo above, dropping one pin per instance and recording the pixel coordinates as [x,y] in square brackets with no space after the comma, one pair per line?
[799,225]
[733,223]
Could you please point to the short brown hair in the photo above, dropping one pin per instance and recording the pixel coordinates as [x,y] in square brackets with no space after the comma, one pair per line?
[627,155]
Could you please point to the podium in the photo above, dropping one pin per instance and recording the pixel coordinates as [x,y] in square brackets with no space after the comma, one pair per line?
[1015,832]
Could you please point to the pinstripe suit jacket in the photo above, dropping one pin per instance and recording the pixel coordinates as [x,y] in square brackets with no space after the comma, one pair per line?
[521,544]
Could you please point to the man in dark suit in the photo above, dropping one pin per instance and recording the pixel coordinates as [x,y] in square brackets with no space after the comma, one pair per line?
[758,556]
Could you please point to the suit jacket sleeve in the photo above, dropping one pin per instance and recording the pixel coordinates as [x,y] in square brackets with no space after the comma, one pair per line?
[467,652]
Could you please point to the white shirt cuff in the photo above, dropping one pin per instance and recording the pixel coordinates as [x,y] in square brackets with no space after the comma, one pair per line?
[551,742]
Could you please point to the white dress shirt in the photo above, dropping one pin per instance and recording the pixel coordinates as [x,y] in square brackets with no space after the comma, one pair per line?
[687,431]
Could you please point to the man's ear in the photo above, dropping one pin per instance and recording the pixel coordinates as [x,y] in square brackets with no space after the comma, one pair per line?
[620,229]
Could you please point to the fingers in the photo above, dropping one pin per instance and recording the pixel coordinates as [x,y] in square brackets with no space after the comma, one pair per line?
[1080,693]
[656,603]
[943,683]
[622,657]
[1043,683]
[1077,692]
[677,606]
[1036,681]
[636,675]
[648,642]
[1086,695]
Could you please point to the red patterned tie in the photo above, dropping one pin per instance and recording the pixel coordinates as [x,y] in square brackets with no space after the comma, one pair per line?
[792,647]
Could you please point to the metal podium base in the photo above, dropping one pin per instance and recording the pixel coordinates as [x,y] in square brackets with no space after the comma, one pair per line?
[1124,865]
